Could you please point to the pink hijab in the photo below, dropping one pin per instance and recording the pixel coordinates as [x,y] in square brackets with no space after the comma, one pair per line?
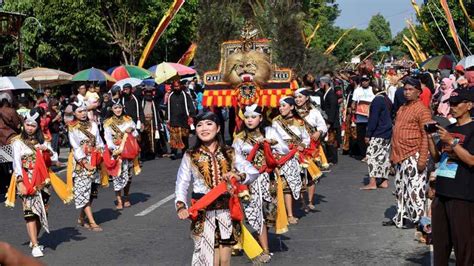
[443,108]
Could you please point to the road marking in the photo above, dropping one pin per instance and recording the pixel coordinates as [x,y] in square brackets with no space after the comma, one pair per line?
[156,205]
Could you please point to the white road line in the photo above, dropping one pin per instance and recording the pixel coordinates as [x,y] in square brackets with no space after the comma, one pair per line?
[156,205]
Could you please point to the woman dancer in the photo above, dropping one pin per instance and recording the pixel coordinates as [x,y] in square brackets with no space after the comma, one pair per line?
[210,166]
[292,129]
[30,151]
[87,147]
[317,128]
[117,128]
[260,211]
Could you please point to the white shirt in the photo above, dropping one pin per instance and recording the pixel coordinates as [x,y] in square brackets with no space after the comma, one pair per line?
[187,173]
[76,136]
[298,131]
[361,94]
[316,120]
[244,148]
[108,133]
[21,149]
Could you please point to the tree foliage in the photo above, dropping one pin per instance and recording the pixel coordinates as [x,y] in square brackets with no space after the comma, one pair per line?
[381,28]
[76,34]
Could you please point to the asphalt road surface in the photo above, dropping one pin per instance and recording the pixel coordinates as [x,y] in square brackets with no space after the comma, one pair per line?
[345,230]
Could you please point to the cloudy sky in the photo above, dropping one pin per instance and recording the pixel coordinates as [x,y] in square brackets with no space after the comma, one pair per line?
[358,12]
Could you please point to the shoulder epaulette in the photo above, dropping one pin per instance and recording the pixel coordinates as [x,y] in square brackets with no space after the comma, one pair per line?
[107,122]
[73,124]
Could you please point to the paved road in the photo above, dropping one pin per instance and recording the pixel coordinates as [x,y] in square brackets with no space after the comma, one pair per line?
[345,230]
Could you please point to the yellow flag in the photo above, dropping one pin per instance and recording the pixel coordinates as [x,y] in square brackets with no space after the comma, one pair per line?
[165,21]
[310,38]
[333,45]
[471,21]
[452,27]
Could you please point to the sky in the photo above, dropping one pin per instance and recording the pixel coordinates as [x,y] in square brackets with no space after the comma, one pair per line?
[358,13]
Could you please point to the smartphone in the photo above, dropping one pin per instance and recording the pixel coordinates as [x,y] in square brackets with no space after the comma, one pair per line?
[431,127]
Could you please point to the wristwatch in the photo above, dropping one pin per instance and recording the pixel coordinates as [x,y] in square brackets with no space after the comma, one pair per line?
[455,142]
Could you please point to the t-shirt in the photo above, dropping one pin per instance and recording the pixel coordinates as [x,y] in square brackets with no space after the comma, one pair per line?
[459,185]
[366,95]
[425,97]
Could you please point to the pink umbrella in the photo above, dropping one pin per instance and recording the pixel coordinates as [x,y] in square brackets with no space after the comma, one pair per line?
[165,71]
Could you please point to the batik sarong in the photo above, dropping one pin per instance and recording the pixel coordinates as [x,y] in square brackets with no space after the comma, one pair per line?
[410,191]
[378,157]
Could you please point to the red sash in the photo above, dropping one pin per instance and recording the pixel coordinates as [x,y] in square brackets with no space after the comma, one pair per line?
[40,174]
[216,192]
[270,162]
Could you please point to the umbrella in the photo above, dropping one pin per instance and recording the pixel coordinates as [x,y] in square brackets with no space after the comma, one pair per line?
[165,71]
[467,62]
[129,71]
[92,74]
[438,62]
[40,77]
[132,81]
[13,83]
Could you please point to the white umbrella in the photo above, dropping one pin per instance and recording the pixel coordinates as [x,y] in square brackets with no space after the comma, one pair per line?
[467,62]
[42,77]
[13,83]
[132,81]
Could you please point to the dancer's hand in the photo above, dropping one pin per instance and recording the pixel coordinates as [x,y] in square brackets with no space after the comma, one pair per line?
[183,214]
[21,188]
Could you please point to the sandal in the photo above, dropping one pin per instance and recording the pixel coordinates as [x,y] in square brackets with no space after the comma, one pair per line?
[311,207]
[127,203]
[119,206]
[95,227]
[292,220]
[265,257]
[82,223]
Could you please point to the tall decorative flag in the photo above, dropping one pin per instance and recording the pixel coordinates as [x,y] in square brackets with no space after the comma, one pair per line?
[418,14]
[310,38]
[165,21]
[452,28]
[188,55]
[471,21]
[333,45]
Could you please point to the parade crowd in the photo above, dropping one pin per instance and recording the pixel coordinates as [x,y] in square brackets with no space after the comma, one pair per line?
[251,167]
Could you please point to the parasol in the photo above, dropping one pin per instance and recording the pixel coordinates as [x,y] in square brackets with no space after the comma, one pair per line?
[45,77]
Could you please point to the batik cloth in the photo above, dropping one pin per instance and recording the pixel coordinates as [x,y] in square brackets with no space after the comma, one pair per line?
[176,137]
[291,173]
[125,177]
[378,157]
[211,229]
[83,184]
[410,191]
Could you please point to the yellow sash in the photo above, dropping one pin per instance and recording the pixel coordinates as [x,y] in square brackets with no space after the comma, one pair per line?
[281,223]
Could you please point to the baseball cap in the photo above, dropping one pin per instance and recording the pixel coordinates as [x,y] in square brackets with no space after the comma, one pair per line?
[461,95]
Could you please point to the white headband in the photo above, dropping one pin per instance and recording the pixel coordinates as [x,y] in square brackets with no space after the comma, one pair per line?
[31,119]
[298,91]
[251,110]
[80,106]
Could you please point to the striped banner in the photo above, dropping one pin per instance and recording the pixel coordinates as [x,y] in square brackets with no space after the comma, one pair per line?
[452,27]
[188,56]
[165,21]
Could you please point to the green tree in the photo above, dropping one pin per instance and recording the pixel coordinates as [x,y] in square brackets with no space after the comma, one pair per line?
[381,29]
[369,41]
